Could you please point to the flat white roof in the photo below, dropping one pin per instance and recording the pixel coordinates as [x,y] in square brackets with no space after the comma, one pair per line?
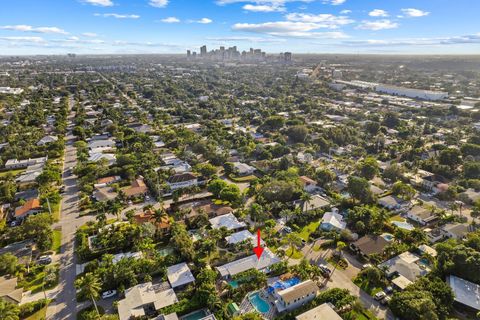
[267,259]
[242,236]
[322,312]
[227,220]
[179,275]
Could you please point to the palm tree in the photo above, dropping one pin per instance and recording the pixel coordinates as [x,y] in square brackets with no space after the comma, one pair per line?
[293,241]
[306,198]
[116,209]
[8,311]
[89,286]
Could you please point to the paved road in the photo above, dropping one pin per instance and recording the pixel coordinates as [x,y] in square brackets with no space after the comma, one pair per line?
[65,305]
[339,279]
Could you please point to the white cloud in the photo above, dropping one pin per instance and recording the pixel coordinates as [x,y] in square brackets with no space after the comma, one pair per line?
[158,3]
[329,21]
[414,13]
[117,16]
[24,39]
[465,39]
[89,34]
[100,3]
[288,29]
[346,11]
[378,25]
[27,28]
[378,13]
[201,21]
[247,39]
[170,20]
[264,8]
[334,2]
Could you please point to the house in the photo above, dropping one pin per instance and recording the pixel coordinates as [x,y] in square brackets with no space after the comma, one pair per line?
[424,249]
[435,183]
[138,188]
[32,206]
[405,264]
[316,202]
[145,299]
[182,180]
[333,221]
[208,207]
[101,144]
[309,185]
[393,203]
[9,291]
[401,282]
[267,259]
[179,275]
[322,312]
[103,194]
[422,215]
[129,255]
[466,293]
[242,236]
[26,194]
[368,245]
[46,140]
[434,235]
[469,196]
[163,226]
[228,221]
[22,164]
[22,250]
[243,169]
[296,296]
[28,178]
[109,157]
[105,181]
[457,231]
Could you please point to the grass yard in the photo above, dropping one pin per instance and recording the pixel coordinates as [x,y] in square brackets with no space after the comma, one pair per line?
[35,281]
[14,172]
[293,255]
[305,232]
[242,179]
[397,218]
[39,315]
[365,286]
[316,248]
[57,240]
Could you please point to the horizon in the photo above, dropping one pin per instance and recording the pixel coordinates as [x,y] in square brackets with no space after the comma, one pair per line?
[86,27]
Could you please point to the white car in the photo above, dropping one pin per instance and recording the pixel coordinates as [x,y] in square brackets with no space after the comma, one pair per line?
[380,295]
[109,294]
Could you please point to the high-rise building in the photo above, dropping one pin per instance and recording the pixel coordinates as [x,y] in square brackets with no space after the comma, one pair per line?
[189,53]
[203,51]
[287,56]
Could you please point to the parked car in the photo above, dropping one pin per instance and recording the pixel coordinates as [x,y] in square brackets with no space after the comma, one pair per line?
[380,296]
[325,270]
[44,260]
[109,294]
[386,300]
[14,223]
[388,290]
[366,266]
[147,198]
[287,229]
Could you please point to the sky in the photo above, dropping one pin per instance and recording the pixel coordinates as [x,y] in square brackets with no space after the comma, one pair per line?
[29,27]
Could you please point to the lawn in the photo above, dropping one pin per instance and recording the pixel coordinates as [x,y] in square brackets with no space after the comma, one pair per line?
[242,179]
[57,240]
[55,207]
[15,172]
[365,286]
[39,315]
[293,255]
[35,281]
[305,232]
[397,218]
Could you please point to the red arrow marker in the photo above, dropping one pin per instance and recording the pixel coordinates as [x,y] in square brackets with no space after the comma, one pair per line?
[258,249]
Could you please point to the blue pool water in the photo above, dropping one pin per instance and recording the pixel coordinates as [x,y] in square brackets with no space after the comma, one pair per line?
[233,284]
[387,236]
[196,315]
[282,285]
[261,305]
[403,225]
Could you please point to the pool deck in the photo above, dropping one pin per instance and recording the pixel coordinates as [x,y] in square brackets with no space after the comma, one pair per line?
[246,306]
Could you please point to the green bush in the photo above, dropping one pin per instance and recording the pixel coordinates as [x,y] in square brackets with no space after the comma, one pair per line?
[27,309]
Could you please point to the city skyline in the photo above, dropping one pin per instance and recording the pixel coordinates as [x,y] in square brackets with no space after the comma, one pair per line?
[300,26]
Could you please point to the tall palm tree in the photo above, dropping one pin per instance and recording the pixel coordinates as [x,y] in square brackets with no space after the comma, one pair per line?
[8,311]
[89,286]
[116,209]
[306,198]
[293,241]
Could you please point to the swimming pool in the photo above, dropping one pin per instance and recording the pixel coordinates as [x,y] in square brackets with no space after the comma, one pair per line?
[282,285]
[196,315]
[261,305]
[403,225]
[387,236]
[233,284]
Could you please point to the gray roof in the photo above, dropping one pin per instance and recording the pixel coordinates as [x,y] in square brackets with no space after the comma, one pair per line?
[322,312]
[466,292]
[179,275]
[267,259]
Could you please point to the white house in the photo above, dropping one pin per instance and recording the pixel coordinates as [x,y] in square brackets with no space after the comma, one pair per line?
[267,259]
[243,169]
[421,215]
[296,296]
[228,221]
[95,157]
[323,311]
[466,293]
[46,140]
[179,275]
[457,231]
[101,144]
[333,221]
